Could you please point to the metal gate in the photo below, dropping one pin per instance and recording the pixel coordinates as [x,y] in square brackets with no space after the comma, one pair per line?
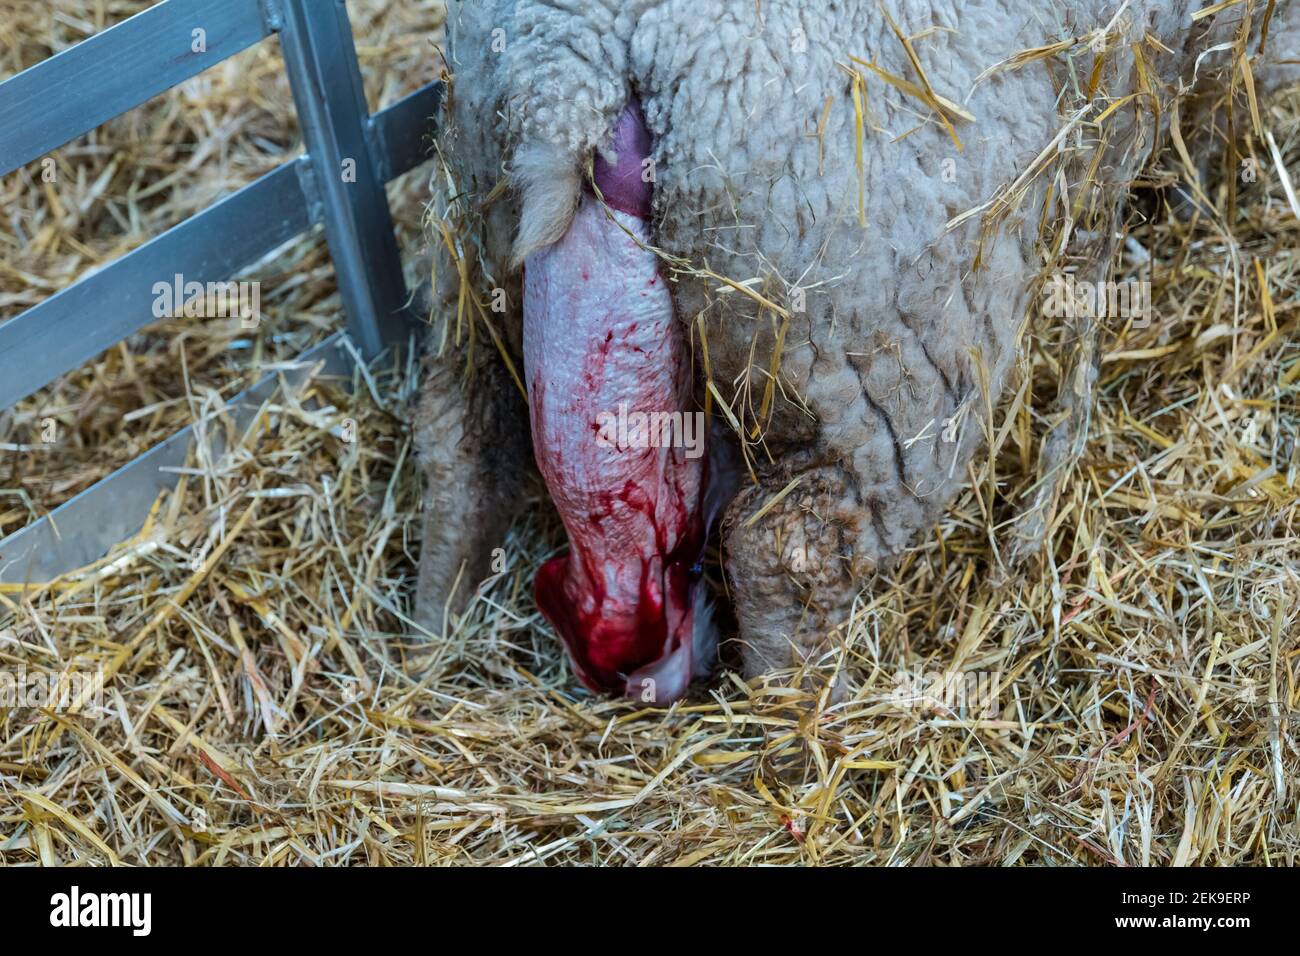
[69,94]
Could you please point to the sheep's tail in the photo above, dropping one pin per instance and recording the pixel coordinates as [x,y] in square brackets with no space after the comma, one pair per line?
[549,182]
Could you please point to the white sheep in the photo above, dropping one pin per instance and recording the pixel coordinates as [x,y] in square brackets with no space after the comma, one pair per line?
[850,203]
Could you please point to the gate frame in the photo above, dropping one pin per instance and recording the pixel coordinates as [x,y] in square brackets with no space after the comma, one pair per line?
[67,95]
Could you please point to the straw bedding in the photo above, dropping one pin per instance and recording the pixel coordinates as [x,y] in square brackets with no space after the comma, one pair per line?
[267,700]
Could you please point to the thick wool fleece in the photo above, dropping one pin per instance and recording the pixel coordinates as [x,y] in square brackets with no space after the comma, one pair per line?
[901,311]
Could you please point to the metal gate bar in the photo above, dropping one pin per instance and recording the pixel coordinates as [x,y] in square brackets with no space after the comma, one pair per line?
[76,324]
[54,101]
[105,75]
[72,326]
[322,61]
[82,529]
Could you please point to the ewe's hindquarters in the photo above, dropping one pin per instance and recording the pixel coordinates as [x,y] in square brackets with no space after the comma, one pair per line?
[886,249]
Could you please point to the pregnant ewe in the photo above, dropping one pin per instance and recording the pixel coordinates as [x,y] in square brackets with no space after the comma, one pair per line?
[821,223]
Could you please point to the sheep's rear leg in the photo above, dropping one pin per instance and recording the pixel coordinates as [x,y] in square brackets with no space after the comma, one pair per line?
[791,569]
[472,443]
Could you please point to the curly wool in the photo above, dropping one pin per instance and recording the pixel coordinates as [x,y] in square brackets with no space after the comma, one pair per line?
[895,339]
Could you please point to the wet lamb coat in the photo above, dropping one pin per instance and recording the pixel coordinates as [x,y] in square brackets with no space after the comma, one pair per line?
[891,311]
